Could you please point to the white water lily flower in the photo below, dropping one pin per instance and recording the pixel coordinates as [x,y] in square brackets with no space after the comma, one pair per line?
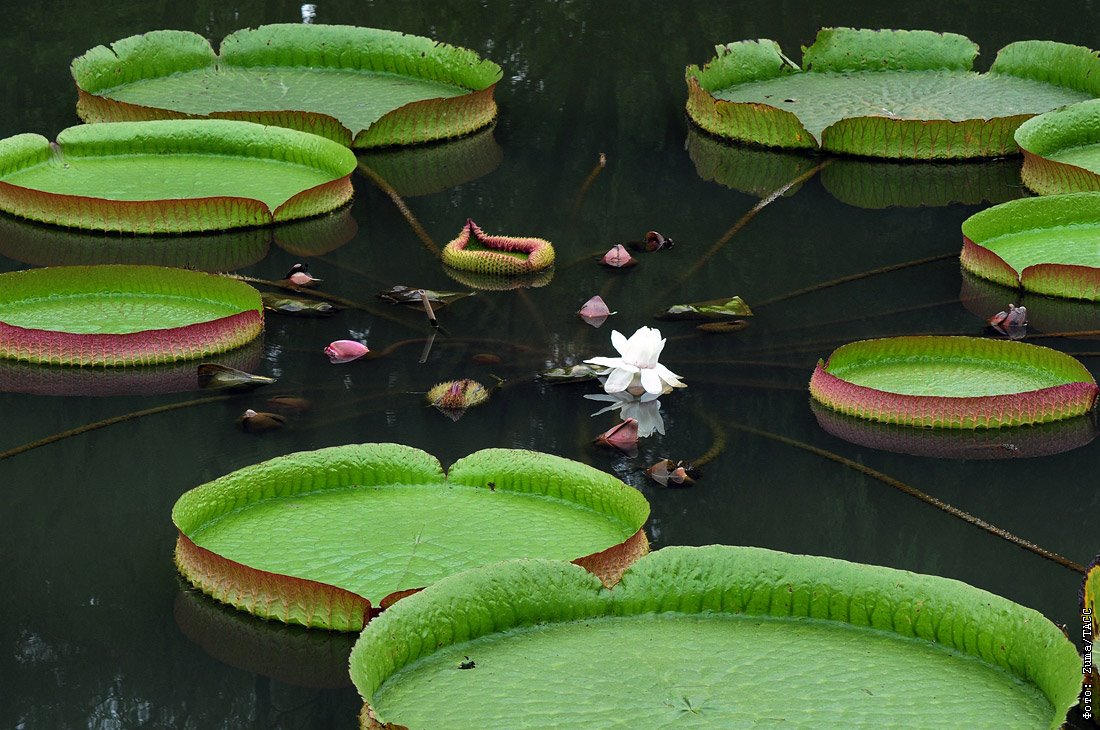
[636,370]
[645,410]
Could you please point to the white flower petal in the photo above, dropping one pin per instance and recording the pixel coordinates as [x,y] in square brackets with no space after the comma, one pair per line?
[619,342]
[669,377]
[651,381]
[606,362]
[618,381]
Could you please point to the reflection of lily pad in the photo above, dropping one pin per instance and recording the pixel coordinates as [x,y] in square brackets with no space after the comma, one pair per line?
[360,86]
[1062,149]
[22,377]
[713,637]
[1021,442]
[1044,314]
[1047,245]
[172,176]
[886,93]
[953,382]
[319,538]
[500,282]
[434,168]
[857,182]
[123,315]
[289,654]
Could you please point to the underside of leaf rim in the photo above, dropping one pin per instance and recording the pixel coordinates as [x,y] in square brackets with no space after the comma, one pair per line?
[373,467]
[1048,245]
[141,177]
[478,252]
[953,382]
[520,602]
[750,92]
[106,79]
[1062,149]
[117,315]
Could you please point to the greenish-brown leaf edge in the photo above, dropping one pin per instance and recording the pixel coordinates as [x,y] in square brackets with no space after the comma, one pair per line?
[179,210]
[298,598]
[1062,149]
[843,50]
[163,53]
[721,579]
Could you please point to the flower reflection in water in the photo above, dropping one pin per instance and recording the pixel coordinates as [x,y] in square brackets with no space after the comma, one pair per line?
[646,410]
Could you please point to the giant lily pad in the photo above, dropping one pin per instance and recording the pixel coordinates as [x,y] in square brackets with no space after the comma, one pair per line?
[172,176]
[1047,245]
[324,538]
[862,183]
[1062,149]
[953,382]
[886,93]
[713,637]
[123,315]
[358,86]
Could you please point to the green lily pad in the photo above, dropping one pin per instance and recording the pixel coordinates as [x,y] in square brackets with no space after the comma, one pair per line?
[172,176]
[862,183]
[364,87]
[1062,150]
[714,309]
[953,382]
[713,637]
[886,93]
[1048,245]
[123,315]
[324,538]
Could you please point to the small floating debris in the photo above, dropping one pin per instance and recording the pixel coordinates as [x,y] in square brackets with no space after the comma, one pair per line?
[618,258]
[595,311]
[258,421]
[723,308]
[297,306]
[570,374]
[341,351]
[289,403]
[299,276]
[654,241]
[1012,322]
[415,297]
[722,327]
[669,473]
[212,376]
[486,358]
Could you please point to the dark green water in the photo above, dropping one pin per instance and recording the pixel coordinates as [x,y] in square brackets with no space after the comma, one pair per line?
[94,630]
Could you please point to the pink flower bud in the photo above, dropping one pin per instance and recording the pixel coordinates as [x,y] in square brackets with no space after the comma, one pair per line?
[345,351]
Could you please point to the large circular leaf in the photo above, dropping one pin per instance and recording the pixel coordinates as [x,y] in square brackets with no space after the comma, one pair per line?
[1048,245]
[886,93]
[953,382]
[361,86]
[172,176]
[714,637]
[1062,150]
[320,538]
[123,315]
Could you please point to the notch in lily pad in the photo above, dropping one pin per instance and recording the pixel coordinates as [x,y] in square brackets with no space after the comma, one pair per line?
[364,87]
[224,174]
[328,538]
[901,634]
[953,382]
[908,94]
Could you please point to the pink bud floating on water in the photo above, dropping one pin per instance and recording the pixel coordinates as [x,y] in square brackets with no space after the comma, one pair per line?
[618,258]
[345,351]
[595,311]
[299,276]
[623,437]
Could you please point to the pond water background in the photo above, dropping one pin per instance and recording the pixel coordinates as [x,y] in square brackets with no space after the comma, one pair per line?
[95,629]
